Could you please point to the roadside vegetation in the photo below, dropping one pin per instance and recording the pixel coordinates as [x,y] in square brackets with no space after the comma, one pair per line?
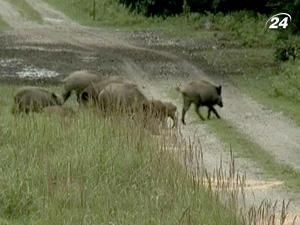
[3,24]
[244,147]
[26,10]
[89,169]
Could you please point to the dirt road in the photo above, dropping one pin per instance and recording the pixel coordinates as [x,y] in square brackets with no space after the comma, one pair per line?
[58,46]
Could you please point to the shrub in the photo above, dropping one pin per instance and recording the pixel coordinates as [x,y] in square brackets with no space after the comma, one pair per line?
[155,7]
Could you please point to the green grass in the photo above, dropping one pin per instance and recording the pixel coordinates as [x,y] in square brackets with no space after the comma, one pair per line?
[3,24]
[93,170]
[26,10]
[246,148]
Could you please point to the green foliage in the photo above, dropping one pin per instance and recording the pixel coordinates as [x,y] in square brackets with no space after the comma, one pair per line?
[172,7]
[155,7]
[286,83]
[287,46]
[107,12]
[285,52]
[227,5]
[245,27]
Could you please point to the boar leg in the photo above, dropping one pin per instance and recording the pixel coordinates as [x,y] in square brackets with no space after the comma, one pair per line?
[174,118]
[66,95]
[211,108]
[78,97]
[208,113]
[186,105]
[198,112]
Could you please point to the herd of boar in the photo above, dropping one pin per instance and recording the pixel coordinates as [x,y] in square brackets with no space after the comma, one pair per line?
[116,94]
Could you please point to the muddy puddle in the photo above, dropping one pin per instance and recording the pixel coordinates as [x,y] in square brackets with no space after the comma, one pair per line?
[15,67]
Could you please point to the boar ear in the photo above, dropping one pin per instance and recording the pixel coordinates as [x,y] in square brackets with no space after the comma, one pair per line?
[219,90]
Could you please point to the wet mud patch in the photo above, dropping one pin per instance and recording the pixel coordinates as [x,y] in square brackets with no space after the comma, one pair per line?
[32,58]
[48,61]
[54,61]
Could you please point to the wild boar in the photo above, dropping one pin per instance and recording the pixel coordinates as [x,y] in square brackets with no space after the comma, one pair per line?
[91,92]
[34,99]
[77,82]
[201,93]
[121,96]
[163,110]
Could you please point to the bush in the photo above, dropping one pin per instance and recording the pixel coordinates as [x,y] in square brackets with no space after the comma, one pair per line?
[287,46]
[287,82]
[155,7]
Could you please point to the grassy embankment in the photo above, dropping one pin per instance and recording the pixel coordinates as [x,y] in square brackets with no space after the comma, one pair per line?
[26,10]
[88,169]
[3,24]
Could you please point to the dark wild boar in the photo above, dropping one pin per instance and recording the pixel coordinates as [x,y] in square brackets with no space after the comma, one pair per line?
[77,82]
[201,93]
[34,99]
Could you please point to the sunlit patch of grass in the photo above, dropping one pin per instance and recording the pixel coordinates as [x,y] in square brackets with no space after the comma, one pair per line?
[3,24]
[26,10]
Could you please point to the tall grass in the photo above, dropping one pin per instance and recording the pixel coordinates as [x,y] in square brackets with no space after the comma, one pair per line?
[93,170]
[90,169]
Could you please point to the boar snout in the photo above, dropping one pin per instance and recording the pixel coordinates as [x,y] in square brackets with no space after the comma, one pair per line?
[221,104]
